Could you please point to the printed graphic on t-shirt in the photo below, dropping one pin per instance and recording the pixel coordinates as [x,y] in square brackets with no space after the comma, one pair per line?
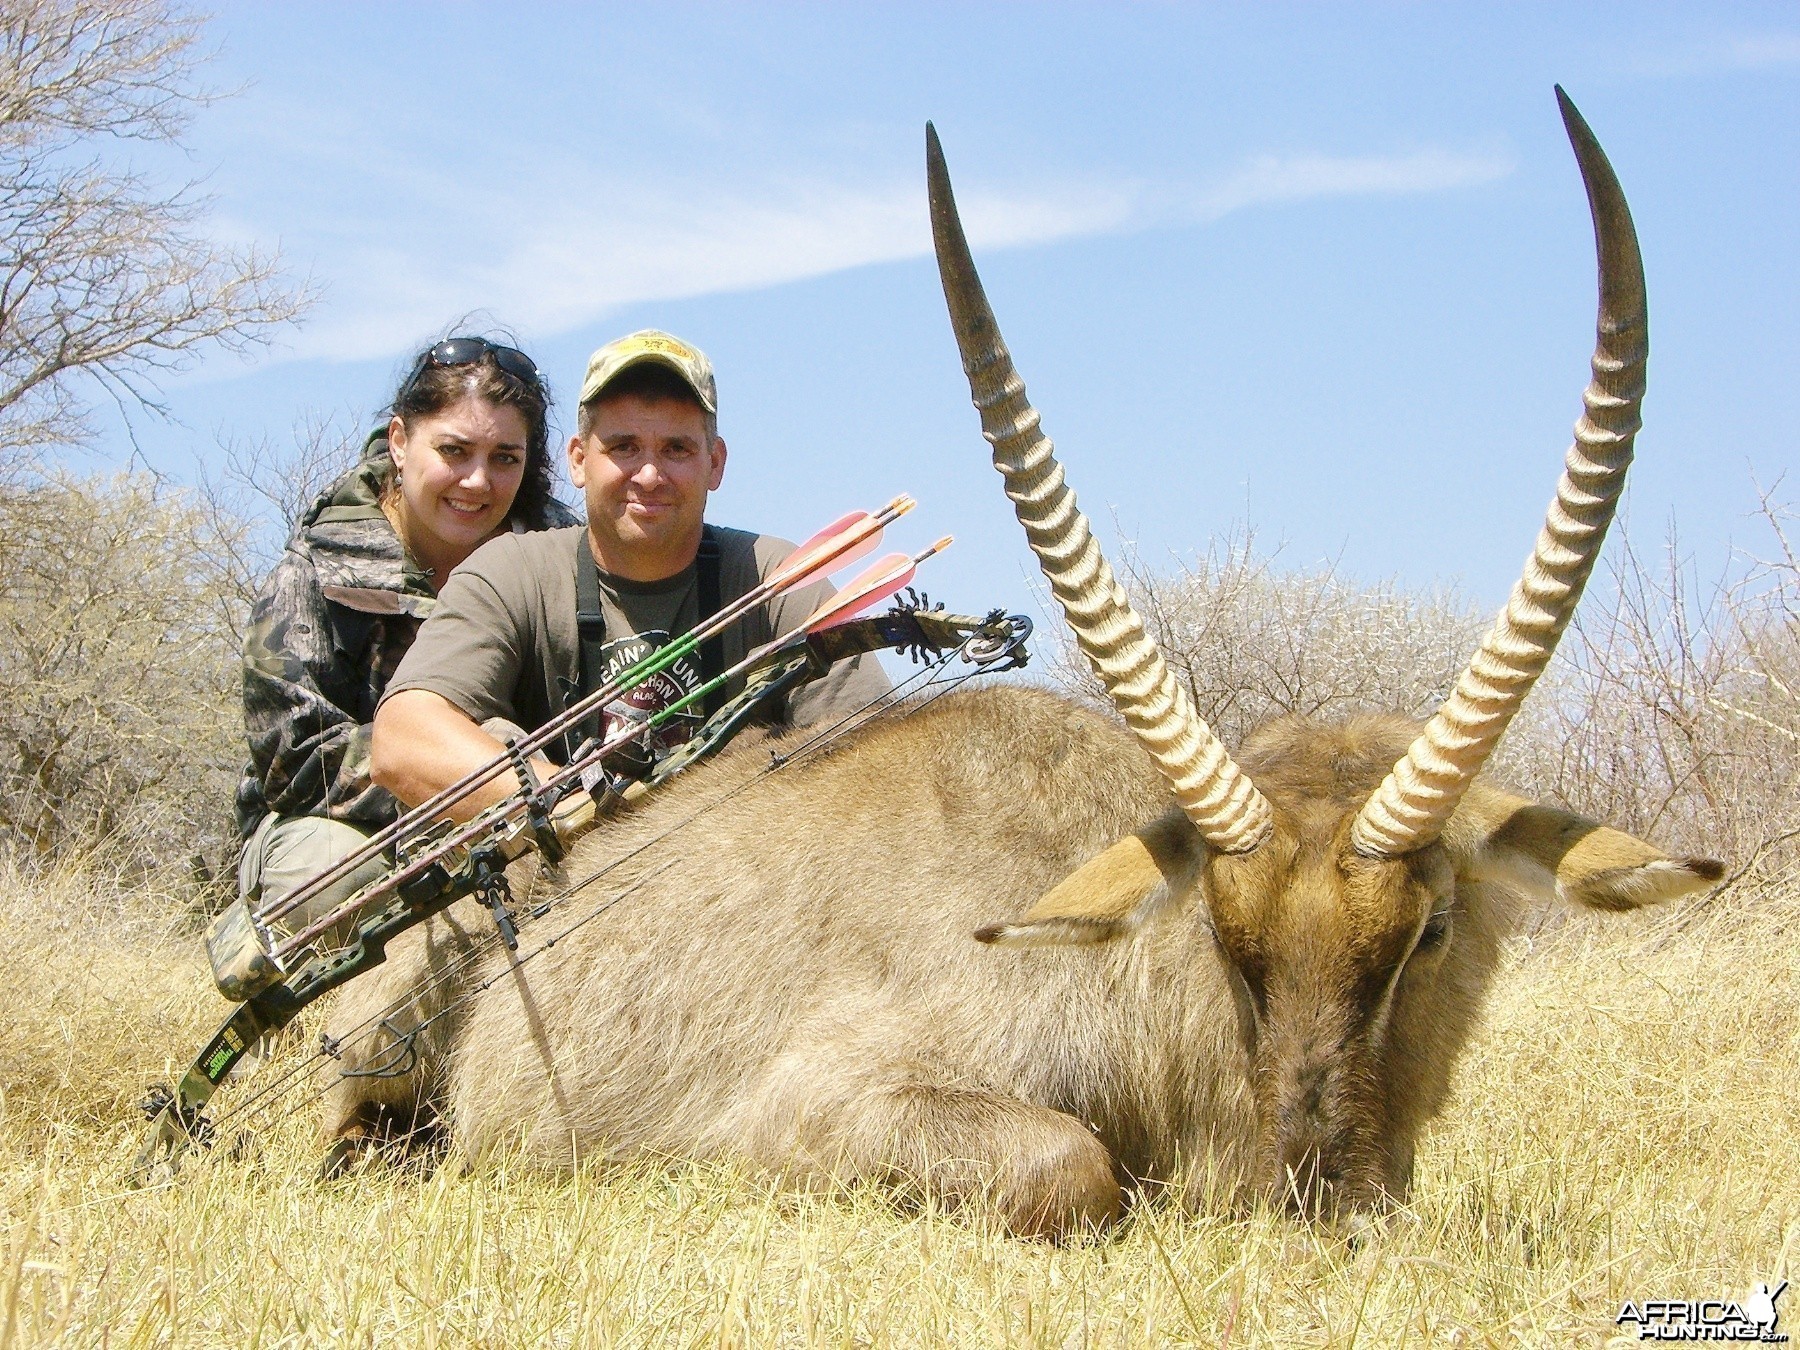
[663,689]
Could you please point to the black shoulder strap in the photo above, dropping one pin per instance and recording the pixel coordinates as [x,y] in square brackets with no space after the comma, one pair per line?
[590,624]
[712,651]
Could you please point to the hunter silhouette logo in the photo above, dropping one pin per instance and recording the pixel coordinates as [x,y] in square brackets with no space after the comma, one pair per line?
[650,696]
[1711,1319]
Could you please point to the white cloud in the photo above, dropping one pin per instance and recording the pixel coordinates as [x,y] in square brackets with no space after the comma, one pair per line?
[553,269]
[1771,49]
[1269,179]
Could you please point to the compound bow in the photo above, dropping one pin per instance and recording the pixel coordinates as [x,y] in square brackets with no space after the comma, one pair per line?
[438,863]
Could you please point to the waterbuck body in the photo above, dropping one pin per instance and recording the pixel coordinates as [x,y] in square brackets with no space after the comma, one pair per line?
[789,981]
[1007,950]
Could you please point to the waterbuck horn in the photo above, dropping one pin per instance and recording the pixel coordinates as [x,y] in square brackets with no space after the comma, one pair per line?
[1413,803]
[1220,800]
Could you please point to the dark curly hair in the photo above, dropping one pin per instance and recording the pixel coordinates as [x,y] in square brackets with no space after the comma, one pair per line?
[429,388]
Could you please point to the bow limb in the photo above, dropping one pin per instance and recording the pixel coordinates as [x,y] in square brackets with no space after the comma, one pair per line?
[177,1117]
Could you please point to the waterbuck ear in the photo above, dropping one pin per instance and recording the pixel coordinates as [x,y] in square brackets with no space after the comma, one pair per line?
[1547,852]
[1112,894]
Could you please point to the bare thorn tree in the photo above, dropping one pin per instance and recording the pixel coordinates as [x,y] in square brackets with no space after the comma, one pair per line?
[103,272]
[263,486]
[1252,643]
[1672,707]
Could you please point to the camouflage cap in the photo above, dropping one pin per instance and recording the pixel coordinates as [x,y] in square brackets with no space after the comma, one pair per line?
[649,344]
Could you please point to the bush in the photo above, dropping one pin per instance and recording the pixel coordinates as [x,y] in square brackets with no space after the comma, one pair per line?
[121,734]
[1251,643]
[1676,710]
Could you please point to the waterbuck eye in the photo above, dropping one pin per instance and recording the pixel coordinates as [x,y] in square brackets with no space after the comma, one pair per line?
[1436,929]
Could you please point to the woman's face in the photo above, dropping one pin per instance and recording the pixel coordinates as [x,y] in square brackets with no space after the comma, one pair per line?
[459,472]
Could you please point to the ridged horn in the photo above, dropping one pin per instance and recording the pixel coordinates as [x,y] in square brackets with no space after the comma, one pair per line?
[1221,801]
[1413,803]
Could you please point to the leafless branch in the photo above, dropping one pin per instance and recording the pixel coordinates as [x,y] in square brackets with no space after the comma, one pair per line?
[105,273]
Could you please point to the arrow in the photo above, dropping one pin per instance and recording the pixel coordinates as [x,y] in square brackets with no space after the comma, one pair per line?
[838,544]
[825,551]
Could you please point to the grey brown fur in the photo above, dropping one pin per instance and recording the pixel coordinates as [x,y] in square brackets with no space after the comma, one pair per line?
[800,991]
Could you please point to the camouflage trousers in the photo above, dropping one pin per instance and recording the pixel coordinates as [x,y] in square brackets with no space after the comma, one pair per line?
[282,854]
[286,851]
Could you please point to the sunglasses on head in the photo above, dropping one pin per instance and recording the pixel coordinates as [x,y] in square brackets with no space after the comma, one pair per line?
[466,351]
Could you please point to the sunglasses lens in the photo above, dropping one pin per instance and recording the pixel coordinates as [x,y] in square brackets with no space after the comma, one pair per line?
[464,351]
[515,363]
[460,351]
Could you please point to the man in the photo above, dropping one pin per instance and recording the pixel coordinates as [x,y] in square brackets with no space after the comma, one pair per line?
[505,645]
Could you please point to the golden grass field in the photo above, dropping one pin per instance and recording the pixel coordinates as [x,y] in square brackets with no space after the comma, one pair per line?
[1625,1128]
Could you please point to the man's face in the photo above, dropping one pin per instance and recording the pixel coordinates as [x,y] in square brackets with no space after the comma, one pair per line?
[645,467]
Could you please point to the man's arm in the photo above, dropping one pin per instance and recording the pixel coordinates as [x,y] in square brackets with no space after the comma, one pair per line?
[453,693]
[423,743]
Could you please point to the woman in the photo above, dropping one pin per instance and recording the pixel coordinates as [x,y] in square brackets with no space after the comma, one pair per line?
[464,456]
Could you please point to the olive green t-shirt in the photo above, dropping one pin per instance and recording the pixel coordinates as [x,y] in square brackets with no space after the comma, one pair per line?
[503,641]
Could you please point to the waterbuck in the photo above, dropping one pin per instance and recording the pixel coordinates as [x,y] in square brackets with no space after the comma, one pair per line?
[1006,951]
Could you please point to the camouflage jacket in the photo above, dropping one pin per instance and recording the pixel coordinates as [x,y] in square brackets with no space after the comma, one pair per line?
[325,635]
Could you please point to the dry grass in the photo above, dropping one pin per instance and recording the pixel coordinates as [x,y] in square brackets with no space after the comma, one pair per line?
[1626,1128]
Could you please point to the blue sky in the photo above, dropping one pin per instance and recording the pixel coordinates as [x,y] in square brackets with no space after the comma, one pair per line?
[1321,270]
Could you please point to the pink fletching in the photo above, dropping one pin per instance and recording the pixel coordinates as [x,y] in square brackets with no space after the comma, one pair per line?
[871,587]
[857,534]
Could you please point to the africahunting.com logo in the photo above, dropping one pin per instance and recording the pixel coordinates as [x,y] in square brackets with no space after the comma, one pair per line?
[1711,1319]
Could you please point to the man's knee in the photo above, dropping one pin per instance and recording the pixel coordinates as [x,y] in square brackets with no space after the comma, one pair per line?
[288,851]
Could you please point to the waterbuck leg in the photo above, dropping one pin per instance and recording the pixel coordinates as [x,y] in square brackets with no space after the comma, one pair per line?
[829,1117]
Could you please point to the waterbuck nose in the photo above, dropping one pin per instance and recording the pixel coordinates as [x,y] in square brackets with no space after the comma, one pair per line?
[1307,1169]
[1312,1096]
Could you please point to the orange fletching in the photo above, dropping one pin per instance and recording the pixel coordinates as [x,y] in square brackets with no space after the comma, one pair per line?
[853,537]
